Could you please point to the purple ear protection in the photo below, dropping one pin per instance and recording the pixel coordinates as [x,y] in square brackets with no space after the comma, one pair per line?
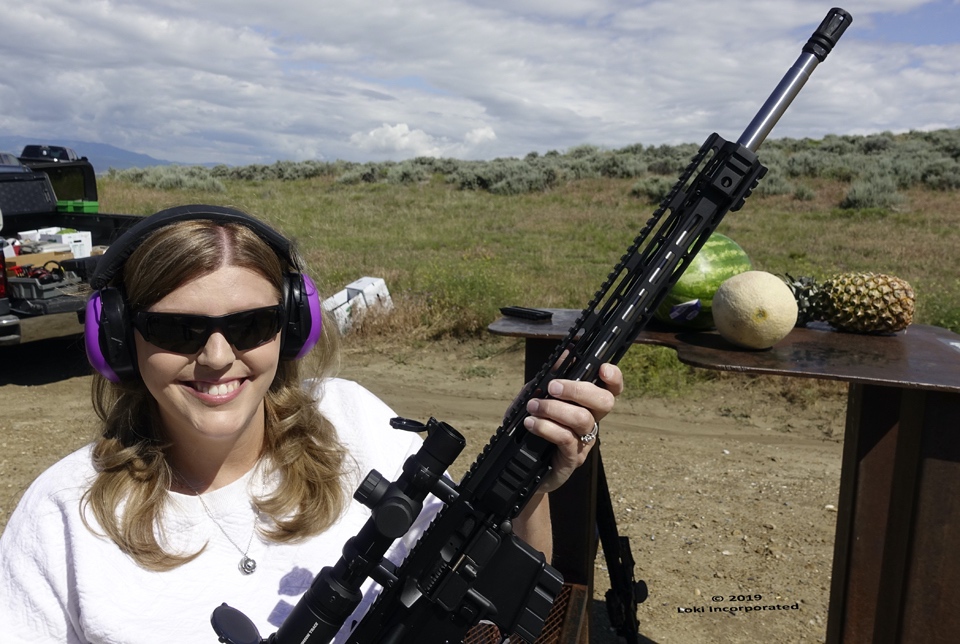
[108,332]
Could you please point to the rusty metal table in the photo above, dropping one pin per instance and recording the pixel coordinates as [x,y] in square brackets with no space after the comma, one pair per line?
[896,564]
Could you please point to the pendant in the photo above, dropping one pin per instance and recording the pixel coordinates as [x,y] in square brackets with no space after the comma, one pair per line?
[247,565]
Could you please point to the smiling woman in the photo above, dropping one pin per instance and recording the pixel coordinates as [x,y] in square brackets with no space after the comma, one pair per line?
[218,375]
[219,474]
[209,370]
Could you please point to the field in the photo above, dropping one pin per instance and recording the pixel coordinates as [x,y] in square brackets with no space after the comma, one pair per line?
[726,484]
[454,256]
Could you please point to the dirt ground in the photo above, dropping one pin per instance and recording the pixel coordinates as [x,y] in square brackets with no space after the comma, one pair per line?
[728,494]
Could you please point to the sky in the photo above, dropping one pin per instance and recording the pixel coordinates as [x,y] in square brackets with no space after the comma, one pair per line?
[255,81]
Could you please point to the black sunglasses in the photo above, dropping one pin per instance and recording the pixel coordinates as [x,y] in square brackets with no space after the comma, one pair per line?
[185,333]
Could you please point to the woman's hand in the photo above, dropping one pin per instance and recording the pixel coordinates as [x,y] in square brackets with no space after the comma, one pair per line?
[571,412]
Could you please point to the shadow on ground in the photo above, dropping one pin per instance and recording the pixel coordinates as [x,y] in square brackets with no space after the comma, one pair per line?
[43,362]
[602,633]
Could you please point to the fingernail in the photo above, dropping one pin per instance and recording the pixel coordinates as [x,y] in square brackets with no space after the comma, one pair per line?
[554,388]
[533,406]
[528,422]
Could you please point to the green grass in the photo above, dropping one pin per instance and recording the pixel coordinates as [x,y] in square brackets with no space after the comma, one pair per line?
[452,257]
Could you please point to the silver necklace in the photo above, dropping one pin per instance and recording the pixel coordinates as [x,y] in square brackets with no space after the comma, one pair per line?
[247,566]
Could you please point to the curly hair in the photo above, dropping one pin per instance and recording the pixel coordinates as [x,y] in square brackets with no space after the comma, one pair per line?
[130,492]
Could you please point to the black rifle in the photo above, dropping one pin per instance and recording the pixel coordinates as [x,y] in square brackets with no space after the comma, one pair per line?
[468,565]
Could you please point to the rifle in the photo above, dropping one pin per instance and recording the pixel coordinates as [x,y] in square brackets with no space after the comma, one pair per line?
[468,565]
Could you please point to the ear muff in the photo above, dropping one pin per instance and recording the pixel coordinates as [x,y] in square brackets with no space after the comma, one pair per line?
[108,330]
[108,337]
[302,318]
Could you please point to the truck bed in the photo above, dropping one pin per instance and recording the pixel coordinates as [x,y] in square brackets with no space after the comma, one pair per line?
[29,201]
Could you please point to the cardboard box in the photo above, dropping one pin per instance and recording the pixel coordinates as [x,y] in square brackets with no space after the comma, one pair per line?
[80,242]
[38,259]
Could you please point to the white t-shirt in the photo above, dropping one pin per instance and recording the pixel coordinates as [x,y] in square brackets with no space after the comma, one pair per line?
[61,583]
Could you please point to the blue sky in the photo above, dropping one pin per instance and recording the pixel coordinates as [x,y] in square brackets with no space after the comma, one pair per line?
[249,81]
[932,23]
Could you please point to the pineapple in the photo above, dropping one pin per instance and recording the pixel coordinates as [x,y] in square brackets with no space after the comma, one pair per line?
[855,302]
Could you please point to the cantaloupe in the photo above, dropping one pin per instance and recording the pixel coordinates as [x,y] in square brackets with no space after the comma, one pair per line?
[754,309]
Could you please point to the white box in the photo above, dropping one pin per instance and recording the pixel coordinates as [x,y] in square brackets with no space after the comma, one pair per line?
[357,296]
[80,242]
[344,309]
[372,289]
[29,235]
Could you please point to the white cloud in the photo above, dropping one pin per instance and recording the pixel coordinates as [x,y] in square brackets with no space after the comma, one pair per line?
[480,136]
[388,139]
[399,141]
[233,81]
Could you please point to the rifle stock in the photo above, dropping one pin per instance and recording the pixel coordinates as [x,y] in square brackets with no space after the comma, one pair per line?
[468,565]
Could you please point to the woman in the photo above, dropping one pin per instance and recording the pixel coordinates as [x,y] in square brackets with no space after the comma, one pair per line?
[218,475]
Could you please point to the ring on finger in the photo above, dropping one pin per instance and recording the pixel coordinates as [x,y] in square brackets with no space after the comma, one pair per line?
[592,434]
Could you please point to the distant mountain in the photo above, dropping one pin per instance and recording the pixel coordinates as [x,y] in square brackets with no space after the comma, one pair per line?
[101,156]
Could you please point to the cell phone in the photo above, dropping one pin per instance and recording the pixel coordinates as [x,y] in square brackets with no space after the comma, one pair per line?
[535,315]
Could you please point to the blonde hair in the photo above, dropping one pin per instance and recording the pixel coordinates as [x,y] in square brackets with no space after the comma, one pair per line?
[301,447]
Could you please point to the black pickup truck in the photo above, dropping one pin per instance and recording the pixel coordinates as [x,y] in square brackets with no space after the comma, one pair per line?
[61,195]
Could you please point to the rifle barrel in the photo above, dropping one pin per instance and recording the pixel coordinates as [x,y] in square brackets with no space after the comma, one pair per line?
[814,52]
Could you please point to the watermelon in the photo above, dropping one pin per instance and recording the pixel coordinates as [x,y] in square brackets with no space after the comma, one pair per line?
[688,305]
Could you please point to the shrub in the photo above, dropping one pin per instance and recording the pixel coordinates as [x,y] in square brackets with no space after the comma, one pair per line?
[877,191]
[671,167]
[942,174]
[579,169]
[877,143]
[437,165]
[621,166]
[171,177]
[773,184]
[468,177]
[806,164]
[366,173]
[652,189]
[635,149]
[838,145]
[408,173]
[840,169]
[581,151]
[928,159]
[905,169]
[518,181]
